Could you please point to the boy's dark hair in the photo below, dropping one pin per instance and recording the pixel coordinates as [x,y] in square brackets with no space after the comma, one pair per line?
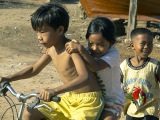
[138,31]
[51,14]
[102,25]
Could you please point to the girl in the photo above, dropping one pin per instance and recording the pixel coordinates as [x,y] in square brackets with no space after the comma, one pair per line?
[103,58]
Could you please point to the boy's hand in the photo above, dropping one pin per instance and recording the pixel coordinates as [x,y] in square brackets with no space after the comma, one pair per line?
[46,94]
[74,47]
[3,79]
[0,78]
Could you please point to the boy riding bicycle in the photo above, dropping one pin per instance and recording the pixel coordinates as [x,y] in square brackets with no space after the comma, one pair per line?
[82,99]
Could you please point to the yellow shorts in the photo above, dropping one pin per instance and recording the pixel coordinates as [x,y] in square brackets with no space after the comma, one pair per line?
[84,106]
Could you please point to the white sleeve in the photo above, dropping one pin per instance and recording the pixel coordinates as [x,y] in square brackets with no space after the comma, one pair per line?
[112,57]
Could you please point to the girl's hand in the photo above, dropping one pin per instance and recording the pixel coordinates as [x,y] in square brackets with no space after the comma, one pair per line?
[159,111]
[46,94]
[73,47]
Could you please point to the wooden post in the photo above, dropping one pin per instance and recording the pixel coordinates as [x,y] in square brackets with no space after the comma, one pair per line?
[132,17]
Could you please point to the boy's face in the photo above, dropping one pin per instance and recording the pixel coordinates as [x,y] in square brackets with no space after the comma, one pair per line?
[142,45]
[98,45]
[47,36]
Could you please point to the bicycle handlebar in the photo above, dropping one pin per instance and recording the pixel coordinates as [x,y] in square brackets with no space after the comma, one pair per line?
[5,86]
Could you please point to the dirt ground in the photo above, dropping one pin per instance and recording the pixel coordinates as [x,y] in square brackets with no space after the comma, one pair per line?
[19,47]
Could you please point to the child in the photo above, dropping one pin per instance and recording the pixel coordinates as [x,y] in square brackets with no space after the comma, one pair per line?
[103,59]
[141,76]
[82,99]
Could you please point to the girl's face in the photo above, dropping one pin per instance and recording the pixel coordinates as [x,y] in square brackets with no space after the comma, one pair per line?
[142,45]
[47,36]
[98,45]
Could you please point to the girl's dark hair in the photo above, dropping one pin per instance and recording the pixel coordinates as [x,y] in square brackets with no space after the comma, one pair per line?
[138,31]
[51,14]
[102,25]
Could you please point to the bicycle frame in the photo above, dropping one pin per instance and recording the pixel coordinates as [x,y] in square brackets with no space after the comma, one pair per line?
[21,111]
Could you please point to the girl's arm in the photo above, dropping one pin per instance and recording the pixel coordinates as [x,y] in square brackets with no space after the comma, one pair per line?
[94,65]
[158,72]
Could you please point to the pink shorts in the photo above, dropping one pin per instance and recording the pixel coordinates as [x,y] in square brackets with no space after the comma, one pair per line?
[115,108]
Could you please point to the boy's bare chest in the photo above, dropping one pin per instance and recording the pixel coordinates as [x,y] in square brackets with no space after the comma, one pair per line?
[64,65]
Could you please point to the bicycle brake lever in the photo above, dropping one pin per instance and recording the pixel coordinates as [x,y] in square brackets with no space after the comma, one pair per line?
[33,104]
[43,105]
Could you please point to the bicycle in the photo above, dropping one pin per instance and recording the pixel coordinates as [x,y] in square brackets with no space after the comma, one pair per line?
[5,86]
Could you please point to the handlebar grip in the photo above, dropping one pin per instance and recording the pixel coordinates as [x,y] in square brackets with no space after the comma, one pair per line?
[2,84]
[3,89]
[55,99]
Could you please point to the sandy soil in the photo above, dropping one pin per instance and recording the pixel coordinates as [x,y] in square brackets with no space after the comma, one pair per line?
[19,47]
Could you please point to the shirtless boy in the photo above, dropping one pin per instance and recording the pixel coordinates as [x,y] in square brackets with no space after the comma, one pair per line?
[82,99]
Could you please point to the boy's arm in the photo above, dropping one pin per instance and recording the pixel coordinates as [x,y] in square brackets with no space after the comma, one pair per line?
[94,65]
[159,72]
[29,71]
[122,69]
[76,83]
